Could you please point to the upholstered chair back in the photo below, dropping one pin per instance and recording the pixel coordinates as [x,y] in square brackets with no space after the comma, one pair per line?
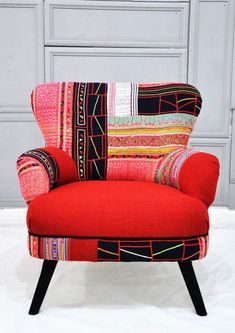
[118,131]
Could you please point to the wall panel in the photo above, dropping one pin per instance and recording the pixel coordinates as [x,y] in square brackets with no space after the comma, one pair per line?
[111,64]
[21,68]
[210,50]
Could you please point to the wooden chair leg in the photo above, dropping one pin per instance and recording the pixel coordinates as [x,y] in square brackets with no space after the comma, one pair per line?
[186,268]
[190,279]
[47,271]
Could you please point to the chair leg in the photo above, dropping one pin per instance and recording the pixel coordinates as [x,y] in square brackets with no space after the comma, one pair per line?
[190,279]
[47,271]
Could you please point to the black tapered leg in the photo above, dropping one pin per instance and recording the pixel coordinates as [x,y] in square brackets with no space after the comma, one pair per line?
[47,271]
[190,279]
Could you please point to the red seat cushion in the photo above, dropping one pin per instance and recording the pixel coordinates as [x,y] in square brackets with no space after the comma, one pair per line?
[117,209]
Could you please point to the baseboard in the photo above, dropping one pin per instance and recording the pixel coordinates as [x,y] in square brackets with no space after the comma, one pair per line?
[12,204]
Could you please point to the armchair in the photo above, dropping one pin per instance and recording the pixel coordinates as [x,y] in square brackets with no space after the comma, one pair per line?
[116,181]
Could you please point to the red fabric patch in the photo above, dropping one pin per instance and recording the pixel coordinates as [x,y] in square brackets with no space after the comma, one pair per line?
[83,249]
[67,168]
[117,209]
[198,177]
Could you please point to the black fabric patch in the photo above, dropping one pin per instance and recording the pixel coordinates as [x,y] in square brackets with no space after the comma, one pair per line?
[90,129]
[148,105]
[108,250]
[163,249]
[135,254]
[149,250]
[169,98]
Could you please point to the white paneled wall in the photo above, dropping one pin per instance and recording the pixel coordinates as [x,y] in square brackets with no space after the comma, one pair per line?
[140,41]
[21,67]
[115,64]
[117,23]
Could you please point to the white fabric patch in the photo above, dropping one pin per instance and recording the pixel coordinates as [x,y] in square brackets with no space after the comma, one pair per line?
[122,99]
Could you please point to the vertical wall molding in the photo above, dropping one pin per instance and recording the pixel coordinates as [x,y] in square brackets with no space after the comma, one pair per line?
[232,162]
[198,71]
[22,67]
[37,6]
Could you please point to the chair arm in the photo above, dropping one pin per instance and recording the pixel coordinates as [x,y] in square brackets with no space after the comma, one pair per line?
[40,170]
[192,172]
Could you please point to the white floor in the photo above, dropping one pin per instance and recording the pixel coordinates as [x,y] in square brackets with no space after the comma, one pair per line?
[106,297]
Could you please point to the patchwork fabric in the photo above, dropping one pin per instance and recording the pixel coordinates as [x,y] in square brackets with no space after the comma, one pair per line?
[38,173]
[41,170]
[116,130]
[44,158]
[168,98]
[52,105]
[153,250]
[49,248]
[89,140]
[119,250]
[122,99]
[168,169]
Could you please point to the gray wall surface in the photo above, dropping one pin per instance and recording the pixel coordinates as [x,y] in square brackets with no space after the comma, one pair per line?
[139,41]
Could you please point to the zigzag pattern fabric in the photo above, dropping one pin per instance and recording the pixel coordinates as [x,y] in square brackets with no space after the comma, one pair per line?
[119,131]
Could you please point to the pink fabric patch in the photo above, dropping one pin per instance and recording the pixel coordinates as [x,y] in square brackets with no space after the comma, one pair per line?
[33,178]
[53,107]
[132,169]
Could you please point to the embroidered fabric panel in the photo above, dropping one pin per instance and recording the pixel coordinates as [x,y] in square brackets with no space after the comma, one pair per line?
[67,248]
[49,248]
[122,99]
[117,130]
[137,145]
[48,162]
[153,250]
[169,98]
[168,169]
[52,104]
[38,173]
[139,140]
[89,130]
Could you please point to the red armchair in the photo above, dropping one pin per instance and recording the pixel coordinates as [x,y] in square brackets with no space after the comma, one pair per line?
[116,181]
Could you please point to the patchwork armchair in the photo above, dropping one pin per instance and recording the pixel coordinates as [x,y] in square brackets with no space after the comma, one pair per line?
[116,181]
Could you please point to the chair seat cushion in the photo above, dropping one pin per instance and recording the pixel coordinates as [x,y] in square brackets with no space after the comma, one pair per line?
[117,209]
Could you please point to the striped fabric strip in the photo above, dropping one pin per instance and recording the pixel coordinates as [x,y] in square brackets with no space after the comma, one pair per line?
[49,248]
[168,170]
[27,161]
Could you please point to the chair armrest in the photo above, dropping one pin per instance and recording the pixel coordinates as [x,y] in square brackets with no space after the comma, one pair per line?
[192,172]
[40,170]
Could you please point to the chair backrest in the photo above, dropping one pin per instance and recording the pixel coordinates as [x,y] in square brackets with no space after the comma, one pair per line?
[116,130]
